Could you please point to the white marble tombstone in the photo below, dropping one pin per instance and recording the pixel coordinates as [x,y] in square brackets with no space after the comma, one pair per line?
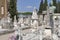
[8,17]
[55,37]
[21,20]
[22,25]
[35,18]
[15,22]
[35,24]
[47,32]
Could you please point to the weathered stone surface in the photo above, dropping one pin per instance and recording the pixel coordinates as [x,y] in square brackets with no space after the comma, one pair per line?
[3,3]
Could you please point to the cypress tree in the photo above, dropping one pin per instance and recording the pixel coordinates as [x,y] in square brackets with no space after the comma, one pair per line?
[54,2]
[12,9]
[45,4]
[40,7]
[57,5]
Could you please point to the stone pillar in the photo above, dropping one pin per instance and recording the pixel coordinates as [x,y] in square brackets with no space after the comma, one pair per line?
[50,13]
[48,17]
[15,21]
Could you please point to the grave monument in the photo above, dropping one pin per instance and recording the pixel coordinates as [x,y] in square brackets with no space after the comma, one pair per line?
[34,18]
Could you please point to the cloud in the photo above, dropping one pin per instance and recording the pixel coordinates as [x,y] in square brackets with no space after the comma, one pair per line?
[29,7]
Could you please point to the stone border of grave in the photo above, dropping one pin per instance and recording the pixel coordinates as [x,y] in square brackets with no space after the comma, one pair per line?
[26,28]
[11,31]
[6,32]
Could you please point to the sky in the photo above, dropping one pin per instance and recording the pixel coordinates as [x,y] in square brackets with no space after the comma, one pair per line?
[28,5]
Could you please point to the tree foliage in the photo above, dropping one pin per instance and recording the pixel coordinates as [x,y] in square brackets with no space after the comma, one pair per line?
[58,7]
[12,9]
[40,7]
[25,13]
[43,6]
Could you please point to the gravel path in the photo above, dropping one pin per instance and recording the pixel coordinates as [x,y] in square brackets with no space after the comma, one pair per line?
[5,36]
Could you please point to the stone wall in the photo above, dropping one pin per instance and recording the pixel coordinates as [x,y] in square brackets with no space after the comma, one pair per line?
[3,8]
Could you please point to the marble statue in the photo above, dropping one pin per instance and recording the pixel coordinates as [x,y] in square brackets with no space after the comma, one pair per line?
[52,8]
[50,14]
